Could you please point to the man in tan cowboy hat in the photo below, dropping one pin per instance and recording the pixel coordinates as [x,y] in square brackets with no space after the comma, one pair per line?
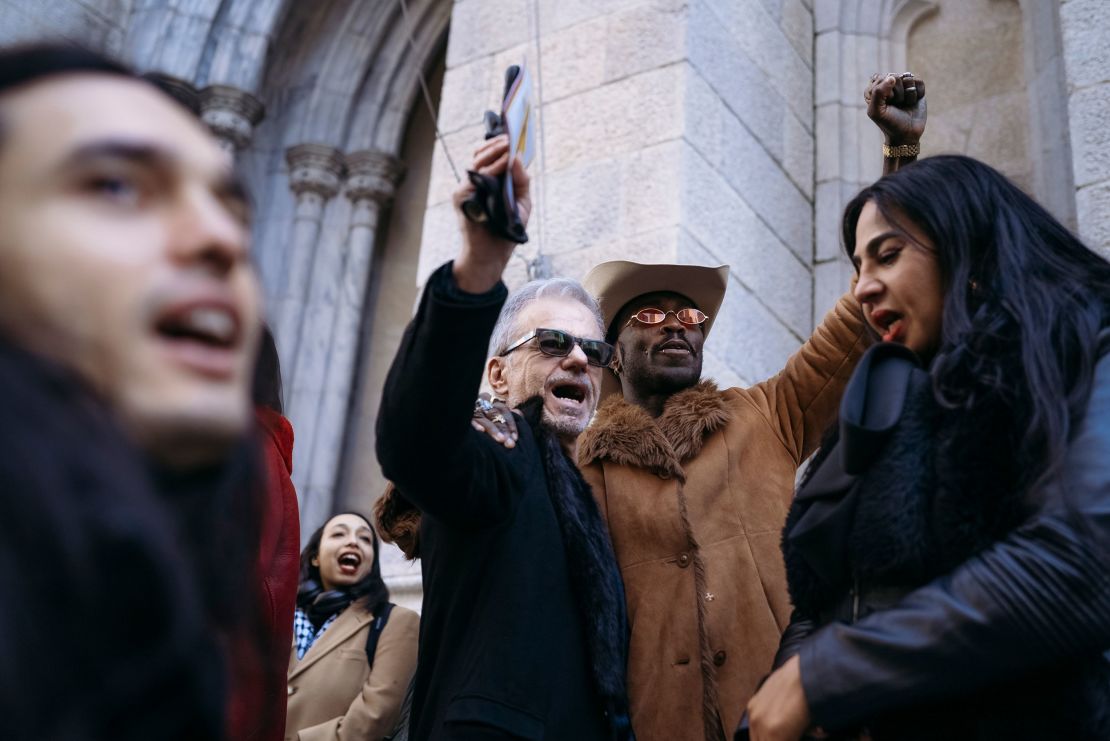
[694,483]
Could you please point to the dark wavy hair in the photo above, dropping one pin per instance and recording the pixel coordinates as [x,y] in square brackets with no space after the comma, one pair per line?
[266,387]
[371,587]
[29,63]
[1024,299]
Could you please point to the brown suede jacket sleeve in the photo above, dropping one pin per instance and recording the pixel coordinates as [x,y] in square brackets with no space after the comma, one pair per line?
[801,401]
[594,474]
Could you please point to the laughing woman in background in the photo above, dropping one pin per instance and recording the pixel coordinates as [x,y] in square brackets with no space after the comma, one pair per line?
[343,619]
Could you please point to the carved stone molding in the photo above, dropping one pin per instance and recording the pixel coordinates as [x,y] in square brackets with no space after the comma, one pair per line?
[230,113]
[373,175]
[314,168]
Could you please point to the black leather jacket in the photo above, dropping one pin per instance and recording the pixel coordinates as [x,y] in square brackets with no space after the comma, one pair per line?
[1039,595]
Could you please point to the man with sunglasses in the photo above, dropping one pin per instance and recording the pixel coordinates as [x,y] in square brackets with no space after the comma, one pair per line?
[523,630]
[695,483]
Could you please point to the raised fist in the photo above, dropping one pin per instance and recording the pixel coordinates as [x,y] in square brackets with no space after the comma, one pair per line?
[896,103]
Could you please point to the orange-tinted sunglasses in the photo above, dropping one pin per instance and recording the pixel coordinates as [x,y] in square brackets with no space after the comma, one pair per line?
[689,316]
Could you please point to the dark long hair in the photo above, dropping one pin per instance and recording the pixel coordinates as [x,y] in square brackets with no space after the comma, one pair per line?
[29,63]
[98,572]
[266,387]
[1024,300]
[371,587]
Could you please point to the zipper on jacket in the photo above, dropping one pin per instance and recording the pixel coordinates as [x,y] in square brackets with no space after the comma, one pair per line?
[855,598]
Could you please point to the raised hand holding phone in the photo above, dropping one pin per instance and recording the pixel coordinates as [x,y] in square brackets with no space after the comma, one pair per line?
[484,252]
[494,202]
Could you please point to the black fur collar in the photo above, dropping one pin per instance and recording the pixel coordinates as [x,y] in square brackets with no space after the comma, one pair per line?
[906,518]
[595,578]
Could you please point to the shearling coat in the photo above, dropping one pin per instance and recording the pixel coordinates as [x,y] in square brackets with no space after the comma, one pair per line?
[333,693]
[695,503]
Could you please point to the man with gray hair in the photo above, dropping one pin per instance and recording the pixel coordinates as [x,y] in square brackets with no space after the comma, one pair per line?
[571,388]
[523,632]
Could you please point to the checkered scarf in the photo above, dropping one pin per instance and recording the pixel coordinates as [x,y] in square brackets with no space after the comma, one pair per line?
[304,635]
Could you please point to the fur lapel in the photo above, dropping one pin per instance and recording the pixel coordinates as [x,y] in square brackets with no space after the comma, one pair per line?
[595,578]
[626,434]
[913,519]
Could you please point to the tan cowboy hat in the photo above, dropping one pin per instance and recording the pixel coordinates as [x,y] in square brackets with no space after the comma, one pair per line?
[617,282]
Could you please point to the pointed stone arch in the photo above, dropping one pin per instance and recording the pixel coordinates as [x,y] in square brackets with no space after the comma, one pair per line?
[854,39]
[339,87]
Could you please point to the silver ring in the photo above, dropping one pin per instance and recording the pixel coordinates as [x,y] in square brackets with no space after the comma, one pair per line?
[481,406]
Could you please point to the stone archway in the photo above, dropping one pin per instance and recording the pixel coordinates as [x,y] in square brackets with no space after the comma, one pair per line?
[855,38]
[327,159]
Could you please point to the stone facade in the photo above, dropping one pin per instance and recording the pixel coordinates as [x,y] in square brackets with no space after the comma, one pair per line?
[694,131]
[1085,25]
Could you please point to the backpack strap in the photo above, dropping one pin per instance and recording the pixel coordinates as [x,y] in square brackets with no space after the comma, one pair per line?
[375,633]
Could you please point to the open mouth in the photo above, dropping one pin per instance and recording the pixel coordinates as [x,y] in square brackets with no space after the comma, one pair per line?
[674,347]
[890,324]
[569,392]
[349,563]
[207,325]
[203,337]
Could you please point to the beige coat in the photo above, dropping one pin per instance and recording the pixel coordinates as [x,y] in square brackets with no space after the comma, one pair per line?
[332,693]
[695,503]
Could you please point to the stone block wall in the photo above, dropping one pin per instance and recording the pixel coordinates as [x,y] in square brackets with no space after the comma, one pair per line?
[1084,25]
[967,114]
[671,132]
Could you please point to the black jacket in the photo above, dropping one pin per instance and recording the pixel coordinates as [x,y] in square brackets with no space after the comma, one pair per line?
[943,605]
[522,629]
[104,630]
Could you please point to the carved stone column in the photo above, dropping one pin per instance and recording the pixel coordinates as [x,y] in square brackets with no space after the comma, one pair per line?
[372,179]
[314,175]
[231,114]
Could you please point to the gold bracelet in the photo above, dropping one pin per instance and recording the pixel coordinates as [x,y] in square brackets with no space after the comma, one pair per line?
[902,150]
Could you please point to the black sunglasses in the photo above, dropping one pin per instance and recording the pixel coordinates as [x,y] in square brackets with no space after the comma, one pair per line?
[557,343]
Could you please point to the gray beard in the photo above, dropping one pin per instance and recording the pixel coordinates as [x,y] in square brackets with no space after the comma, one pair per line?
[562,427]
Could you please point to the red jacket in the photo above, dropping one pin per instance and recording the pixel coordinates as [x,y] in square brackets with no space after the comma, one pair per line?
[257,707]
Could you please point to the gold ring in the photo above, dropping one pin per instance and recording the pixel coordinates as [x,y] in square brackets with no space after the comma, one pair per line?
[498,418]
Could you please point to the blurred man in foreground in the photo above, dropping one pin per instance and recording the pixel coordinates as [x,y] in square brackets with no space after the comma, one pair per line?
[129,317]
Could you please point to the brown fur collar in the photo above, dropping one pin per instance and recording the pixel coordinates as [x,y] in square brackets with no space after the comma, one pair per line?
[626,434]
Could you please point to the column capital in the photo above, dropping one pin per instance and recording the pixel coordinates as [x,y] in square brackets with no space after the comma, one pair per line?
[373,175]
[230,113]
[314,168]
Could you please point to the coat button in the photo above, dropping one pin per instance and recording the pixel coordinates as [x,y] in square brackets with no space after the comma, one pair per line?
[719,658]
[683,561]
